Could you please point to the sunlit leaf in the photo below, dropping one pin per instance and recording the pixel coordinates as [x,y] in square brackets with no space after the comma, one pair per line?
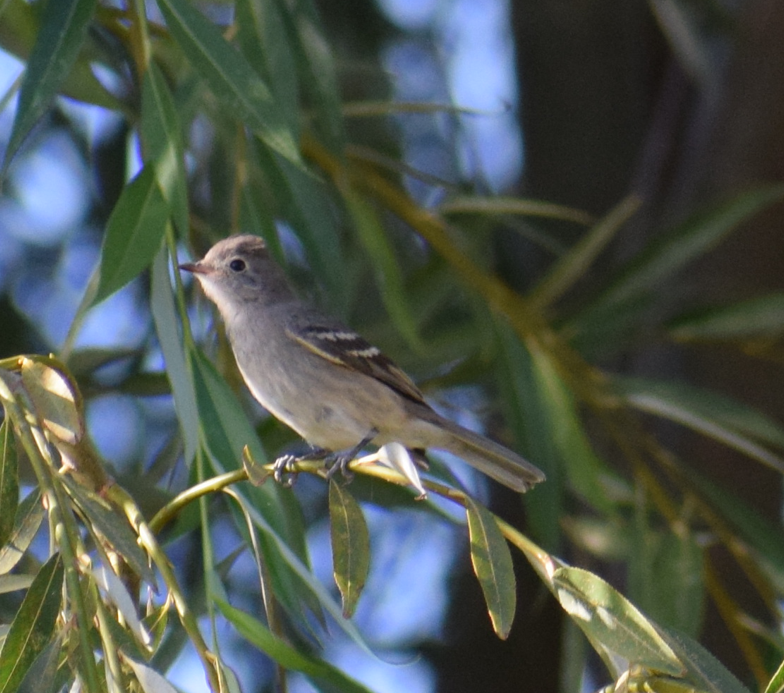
[9,481]
[33,625]
[350,546]
[118,595]
[114,527]
[752,319]
[55,398]
[493,567]
[133,233]
[12,583]
[149,679]
[63,28]
[613,621]
[229,76]
[467,204]
[319,672]
[28,519]
[776,683]
[717,416]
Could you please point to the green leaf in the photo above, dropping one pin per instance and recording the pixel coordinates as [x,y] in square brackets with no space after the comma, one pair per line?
[33,625]
[316,69]
[164,316]
[673,250]
[776,683]
[9,481]
[532,428]
[231,79]
[114,527]
[12,583]
[63,28]
[717,416]
[264,41]
[389,275]
[134,232]
[55,398]
[28,519]
[324,676]
[610,619]
[703,670]
[162,142]
[493,567]
[45,675]
[761,317]
[666,579]
[350,546]
[306,204]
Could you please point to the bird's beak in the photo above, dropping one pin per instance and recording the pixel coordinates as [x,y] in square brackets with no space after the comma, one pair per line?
[196,267]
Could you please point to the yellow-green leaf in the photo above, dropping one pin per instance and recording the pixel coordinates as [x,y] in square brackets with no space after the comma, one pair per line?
[350,546]
[9,481]
[493,567]
[33,625]
[610,619]
[55,398]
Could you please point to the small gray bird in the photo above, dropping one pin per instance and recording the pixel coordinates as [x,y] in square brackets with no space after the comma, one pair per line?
[321,378]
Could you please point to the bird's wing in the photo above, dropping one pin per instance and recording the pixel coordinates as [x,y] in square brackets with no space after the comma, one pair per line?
[343,346]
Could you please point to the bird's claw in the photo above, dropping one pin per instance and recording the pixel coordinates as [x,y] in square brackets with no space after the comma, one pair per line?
[283,470]
[339,463]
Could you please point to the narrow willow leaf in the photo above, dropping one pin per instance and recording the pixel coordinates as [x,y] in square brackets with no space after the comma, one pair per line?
[149,679]
[264,41]
[33,625]
[493,567]
[671,251]
[9,481]
[118,594]
[761,317]
[133,234]
[703,670]
[228,75]
[389,275]
[164,315]
[63,28]
[162,142]
[466,204]
[531,426]
[717,416]
[318,671]
[776,683]
[45,675]
[611,619]
[12,583]
[316,68]
[113,526]
[350,546]
[574,264]
[56,399]
[666,579]
[28,519]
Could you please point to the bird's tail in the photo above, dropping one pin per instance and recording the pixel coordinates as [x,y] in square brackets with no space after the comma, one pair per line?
[489,457]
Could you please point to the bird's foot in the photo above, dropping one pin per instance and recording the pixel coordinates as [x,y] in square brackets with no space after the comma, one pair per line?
[339,462]
[284,471]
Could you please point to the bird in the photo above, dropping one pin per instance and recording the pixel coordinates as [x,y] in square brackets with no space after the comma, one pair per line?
[318,376]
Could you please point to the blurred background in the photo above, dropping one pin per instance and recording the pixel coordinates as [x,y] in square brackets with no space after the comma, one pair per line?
[679,102]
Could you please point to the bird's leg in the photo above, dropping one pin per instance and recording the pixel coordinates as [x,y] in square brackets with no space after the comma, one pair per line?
[339,462]
[283,468]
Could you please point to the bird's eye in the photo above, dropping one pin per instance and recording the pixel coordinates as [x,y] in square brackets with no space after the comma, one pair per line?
[237,265]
